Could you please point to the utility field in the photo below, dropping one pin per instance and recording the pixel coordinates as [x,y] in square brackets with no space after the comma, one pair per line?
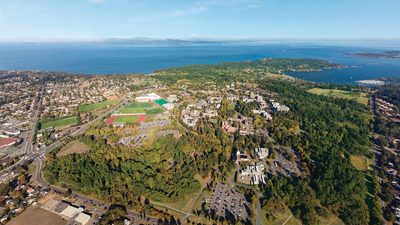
[59,123]
[73,147]
[126,119]
[98,106]
[336,93]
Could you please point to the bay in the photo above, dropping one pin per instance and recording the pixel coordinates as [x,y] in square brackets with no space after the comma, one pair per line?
[108,58]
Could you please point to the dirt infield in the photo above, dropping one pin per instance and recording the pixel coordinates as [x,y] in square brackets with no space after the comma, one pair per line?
[35,215]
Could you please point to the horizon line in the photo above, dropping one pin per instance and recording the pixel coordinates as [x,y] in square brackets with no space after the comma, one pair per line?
[193,39]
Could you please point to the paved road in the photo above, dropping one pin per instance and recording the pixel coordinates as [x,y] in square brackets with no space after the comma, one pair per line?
[28,143]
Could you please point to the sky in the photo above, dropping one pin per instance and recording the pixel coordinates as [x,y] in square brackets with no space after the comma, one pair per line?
[27,20]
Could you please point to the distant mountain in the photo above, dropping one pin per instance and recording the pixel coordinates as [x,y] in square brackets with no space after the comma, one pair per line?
[153,41]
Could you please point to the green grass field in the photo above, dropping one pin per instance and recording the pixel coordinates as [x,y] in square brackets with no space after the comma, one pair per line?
[161,101]
[154,111]
[126,119]
[336,93]
[136,107]
[140,105]
[65,122]
[98,106]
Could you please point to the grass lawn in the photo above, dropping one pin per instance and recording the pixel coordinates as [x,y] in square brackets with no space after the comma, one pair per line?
[359,162]
[65,122]
[98,105]
[126,119]
[73,147]
[154,111]
[280,218]
[336,93]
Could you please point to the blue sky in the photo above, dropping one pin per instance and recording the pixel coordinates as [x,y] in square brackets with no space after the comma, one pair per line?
[223,19]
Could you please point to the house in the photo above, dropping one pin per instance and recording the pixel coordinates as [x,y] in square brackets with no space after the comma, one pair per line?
[190,121]
[228,127]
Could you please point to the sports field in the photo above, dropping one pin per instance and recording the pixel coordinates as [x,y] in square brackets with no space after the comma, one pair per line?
[141,108]
[98,106]
[140,105]
[126,119]
[135,108]
[161,101]
[154,111]
[336,93]
[65,122]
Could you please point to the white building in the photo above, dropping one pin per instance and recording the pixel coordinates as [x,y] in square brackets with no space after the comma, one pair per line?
[169,106]
[82,218]
[262,153]
[278,107]
[253,174]
[147,97]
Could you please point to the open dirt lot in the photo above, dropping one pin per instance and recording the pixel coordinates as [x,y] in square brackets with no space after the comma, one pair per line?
[36,215]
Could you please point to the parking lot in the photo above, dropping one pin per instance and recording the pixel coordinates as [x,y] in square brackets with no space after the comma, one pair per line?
[225,201]
[282,165]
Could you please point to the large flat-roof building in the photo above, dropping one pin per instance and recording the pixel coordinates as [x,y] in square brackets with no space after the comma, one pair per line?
[147,97]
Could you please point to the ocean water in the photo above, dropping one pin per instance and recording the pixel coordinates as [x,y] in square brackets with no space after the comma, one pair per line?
[108,58]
